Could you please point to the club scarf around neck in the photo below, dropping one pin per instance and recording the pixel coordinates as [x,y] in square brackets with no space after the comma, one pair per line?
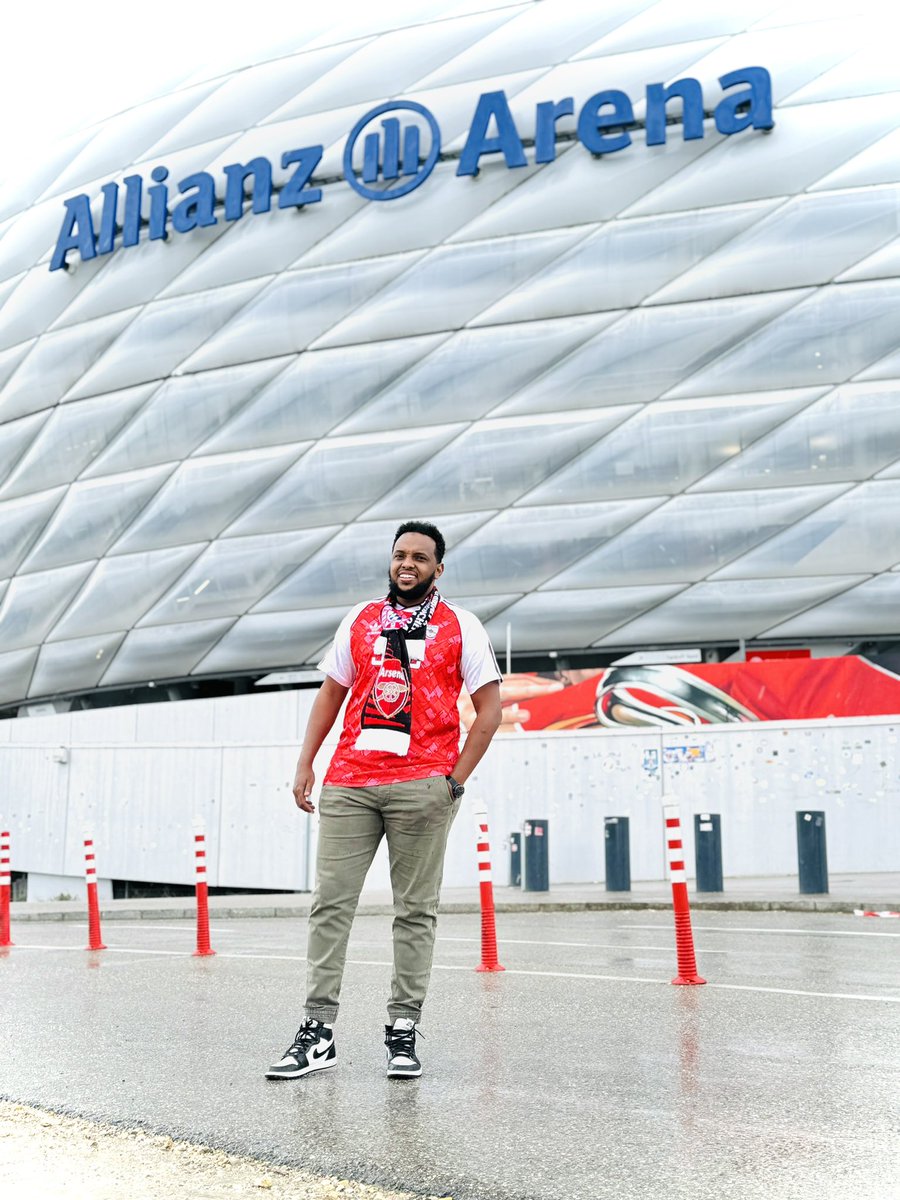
[386,720]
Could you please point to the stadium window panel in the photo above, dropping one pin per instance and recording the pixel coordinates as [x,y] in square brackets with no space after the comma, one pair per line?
[809,240]
[851,433]
[339,477]
[472,372]
[92,516]
[665,447]
[813,139]
[57,361]
[532,545]
[16,667]
[623,263]
[73,665]
[870,609]
[857,532]
[353,565]
[204,495]
[272,640]
[21,522]
[449,287]
[121,589]
[125,138]
[32,603]
[317,390]
[71,439]
[183,412]
[536,624]
[233,573]
[647,352]
[294,311]
[162,336]
[691,536]
[164,651]
[709,612]
[494,462]
[827,338]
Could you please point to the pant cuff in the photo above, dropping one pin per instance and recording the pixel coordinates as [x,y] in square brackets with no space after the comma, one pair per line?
[328,1015]
[395,1011]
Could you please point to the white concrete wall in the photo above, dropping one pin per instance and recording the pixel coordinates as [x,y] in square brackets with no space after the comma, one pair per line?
[139,776]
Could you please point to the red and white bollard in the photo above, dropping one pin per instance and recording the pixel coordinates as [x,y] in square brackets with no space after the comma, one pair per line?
[489,959]
[203,946]
[95,941]
[684,935]
[5,889]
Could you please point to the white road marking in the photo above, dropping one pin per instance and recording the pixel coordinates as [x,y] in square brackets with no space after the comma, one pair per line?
[578,945]
[358,962]
[752,929]
[105,950]
[187,927]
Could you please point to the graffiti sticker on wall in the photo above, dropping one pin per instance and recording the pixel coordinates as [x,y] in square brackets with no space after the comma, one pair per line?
[688,754]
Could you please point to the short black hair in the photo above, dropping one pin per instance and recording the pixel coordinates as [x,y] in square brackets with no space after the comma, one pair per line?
[428,530]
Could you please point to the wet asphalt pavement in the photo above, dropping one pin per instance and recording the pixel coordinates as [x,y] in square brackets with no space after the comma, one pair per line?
[580,1073]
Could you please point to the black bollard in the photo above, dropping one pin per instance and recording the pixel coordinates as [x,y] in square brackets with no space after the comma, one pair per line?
[811,853]
[708,851]
[515,860]
[536,856]
[618,863]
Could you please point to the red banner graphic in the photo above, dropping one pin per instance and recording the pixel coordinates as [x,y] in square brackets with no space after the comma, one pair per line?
[699,694]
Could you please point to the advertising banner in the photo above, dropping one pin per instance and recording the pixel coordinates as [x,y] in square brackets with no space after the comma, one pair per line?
[698,694]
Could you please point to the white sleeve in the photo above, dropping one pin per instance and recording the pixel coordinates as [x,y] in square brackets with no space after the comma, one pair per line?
[338,661]
[479,663]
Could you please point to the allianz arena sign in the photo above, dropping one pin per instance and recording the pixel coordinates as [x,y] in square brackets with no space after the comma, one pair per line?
[398,155]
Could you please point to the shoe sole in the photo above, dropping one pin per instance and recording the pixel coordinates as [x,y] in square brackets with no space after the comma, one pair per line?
[404,1074]
[319,1066]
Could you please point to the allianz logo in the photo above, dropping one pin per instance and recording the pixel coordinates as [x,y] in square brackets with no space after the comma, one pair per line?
[391,151]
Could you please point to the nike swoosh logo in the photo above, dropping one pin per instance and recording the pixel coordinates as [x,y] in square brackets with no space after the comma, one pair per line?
[317,1054]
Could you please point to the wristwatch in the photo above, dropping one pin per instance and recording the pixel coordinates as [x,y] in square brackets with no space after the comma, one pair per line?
[456,789]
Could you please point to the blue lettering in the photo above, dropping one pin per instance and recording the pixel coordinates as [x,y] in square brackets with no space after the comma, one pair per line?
[492,106]
[197,209]
[546,116]
[106,242]
[77,233]
[591,123]
[658,96]
[159,198]
[602,127]
[758,99]
[131,223]
[292,193]
[261,170]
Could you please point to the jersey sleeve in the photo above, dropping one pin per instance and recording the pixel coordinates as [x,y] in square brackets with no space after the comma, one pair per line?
[338,662]
[479,663]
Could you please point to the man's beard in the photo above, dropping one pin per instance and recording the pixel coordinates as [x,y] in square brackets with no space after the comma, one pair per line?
[410,595]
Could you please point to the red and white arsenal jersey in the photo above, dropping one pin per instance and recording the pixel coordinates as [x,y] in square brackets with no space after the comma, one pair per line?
[456,650]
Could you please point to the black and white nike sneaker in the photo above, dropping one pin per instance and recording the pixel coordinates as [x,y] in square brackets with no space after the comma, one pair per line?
[311,1050]
[400,1039]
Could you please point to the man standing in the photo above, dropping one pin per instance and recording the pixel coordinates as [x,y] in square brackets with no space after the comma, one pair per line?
[397,772]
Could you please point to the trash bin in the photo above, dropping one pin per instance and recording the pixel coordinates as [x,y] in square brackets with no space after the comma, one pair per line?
[708,851]
[537,858]
[618,859]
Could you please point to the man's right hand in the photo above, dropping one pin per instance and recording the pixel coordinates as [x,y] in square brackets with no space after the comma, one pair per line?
[304,779]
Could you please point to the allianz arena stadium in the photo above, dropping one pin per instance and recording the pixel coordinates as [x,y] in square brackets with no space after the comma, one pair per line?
[608,291]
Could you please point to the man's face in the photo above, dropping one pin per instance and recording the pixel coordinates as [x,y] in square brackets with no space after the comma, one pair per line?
[414,567]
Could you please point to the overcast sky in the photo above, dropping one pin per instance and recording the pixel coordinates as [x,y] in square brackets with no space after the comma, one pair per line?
[58,74]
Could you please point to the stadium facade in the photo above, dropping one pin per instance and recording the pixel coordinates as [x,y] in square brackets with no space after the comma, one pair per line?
[609,291]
